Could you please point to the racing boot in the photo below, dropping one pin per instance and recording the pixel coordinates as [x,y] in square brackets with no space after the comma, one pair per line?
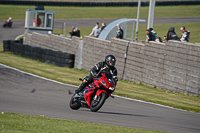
[81,87]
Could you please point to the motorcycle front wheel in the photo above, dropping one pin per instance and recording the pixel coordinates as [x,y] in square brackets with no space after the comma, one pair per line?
[74,103]
[97,102]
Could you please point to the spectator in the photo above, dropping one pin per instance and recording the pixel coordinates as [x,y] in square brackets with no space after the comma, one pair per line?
[77,32]
[185,35]
[103,26]
[150,36]
[157,38]
[72,32]
[119,32]
[171,35]
[96,30]
[38,23]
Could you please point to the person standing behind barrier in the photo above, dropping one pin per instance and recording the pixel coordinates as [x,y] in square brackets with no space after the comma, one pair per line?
[120,32]
[171,35]
[157,38]
[103,26]
[96,30]
[38,23]
[150,36]
[185,35]
[72,33]
[77,32]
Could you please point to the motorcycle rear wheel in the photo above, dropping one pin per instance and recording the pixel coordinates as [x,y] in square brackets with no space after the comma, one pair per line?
[97,103]
[74,103]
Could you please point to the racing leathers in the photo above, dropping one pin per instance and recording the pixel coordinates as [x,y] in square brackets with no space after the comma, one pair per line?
[95,72]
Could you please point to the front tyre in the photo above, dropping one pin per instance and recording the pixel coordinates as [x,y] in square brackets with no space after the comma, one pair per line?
[98,101]
[74,103]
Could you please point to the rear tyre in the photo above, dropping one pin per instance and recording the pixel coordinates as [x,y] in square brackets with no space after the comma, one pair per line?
[98,102]
[74,103]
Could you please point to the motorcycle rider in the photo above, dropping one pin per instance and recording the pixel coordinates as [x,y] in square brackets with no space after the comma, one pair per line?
[8,22]
[108,65]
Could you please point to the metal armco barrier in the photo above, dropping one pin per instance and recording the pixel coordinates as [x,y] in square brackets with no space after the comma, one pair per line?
[90,4]
[48,56]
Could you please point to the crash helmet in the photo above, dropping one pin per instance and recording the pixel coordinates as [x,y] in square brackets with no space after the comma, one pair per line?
[10,18]
[110,60]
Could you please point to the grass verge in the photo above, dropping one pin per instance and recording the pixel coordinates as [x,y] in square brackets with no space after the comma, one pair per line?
[69,12]
[11,123]
[124,88]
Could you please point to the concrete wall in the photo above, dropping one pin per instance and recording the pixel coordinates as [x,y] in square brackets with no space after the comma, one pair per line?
[172,65]
[182,67]
[95,50]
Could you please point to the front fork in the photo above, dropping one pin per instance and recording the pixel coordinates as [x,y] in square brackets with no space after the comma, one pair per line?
[95,97]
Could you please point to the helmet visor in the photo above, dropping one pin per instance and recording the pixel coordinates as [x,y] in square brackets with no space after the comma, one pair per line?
[111,63]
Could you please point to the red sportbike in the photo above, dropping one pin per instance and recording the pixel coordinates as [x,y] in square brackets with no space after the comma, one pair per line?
[95,94]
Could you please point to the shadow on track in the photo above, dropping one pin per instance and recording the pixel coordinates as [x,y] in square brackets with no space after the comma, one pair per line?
[118,113]
[123,114]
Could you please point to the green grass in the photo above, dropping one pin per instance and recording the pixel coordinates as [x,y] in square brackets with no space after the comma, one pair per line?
[66,12]
[13,123]
[124,88]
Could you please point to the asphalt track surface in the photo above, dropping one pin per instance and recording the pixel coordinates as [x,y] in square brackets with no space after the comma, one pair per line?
[26,94]
[18,25]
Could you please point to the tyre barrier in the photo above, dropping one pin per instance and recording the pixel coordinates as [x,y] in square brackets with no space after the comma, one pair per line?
[48,56]
[6,45]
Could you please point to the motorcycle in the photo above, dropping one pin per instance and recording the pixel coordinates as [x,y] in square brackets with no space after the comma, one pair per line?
[95,94]
[7,24]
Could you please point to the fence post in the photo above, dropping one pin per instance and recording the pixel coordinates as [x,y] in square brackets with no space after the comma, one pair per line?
[80,48]
[138,17]
[64,25]
[151,14]
[125,57]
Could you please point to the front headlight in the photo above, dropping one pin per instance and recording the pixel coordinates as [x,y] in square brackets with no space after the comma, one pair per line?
[111,88]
